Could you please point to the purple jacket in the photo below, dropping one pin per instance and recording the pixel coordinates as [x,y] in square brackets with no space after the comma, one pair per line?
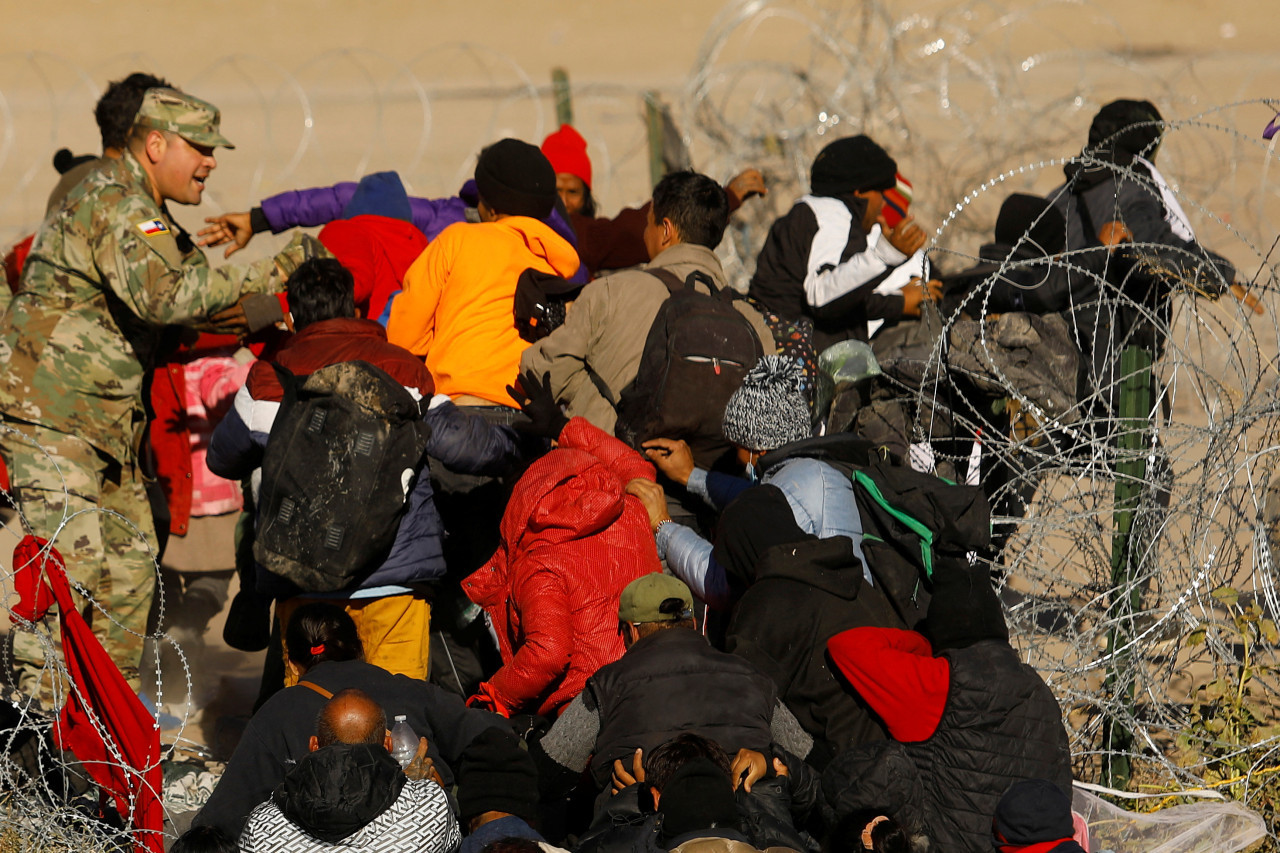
[321,205]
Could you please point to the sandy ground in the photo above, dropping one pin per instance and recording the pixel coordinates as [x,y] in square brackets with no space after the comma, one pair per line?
[315,92]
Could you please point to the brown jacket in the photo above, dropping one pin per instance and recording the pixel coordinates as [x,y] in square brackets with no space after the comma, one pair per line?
[606,328]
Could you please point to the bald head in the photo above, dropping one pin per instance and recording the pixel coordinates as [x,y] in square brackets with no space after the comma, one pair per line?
[351,716]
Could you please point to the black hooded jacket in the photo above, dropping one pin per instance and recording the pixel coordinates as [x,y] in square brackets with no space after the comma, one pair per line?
[336,791]
[804,595]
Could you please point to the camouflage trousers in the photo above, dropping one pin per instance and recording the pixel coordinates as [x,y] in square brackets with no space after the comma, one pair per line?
[95,511]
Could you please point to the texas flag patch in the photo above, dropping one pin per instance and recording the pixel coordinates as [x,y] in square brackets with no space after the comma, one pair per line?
[152,227]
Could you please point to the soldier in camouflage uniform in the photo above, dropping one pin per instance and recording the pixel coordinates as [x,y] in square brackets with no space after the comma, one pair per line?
[109,269]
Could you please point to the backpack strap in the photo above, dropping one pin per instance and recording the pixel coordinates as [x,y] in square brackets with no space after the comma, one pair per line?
[667,277]
[911,523]
[311,685]
[289,383]
[675,285]
[1086,219]
[700,276]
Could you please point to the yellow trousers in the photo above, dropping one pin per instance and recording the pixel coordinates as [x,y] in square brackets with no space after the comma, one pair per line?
[395,630]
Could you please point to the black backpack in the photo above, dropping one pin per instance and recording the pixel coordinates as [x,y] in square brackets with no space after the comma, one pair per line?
[345,449]
[698,350]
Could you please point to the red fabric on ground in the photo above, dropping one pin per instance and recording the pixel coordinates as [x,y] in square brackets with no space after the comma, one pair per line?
[126,763]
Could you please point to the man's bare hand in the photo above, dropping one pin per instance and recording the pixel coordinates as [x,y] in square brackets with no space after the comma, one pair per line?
[422,767]
[1113,233]
[908,237]
[748,767]
[623,779]
[653,499]
[746,184]
[228,321]
[231,228]
[917,292]
[670,456]
[1239,291]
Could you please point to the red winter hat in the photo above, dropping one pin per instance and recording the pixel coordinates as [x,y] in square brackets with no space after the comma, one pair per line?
[896,201]
[567,151]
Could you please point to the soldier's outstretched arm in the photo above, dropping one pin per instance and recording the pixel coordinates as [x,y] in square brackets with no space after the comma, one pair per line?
[140,262]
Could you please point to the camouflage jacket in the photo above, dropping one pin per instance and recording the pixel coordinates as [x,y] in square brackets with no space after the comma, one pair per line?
[109,269]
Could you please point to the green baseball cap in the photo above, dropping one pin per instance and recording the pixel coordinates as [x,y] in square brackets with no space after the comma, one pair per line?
[643,596]
[177,112]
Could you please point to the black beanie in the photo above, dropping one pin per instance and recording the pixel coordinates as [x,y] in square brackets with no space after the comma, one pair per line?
[852,164]
[698,796]
[496,775]
[1030,214]
[1031,812]
[515,178]
[964,608]
[1109,127]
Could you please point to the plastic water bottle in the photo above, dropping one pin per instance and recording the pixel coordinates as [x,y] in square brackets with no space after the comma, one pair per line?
[404,743]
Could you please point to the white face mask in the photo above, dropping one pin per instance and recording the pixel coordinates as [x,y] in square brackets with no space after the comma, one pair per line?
[752,474]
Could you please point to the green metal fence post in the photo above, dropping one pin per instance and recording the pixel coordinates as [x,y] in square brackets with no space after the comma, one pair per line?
[1134,445]
[653,120]
[564,98]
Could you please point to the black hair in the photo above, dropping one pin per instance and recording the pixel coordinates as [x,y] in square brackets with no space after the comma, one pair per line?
[662,763]
[319,631]
[374,731]
[696,205]
[888,836]
[588,201]
[119,104]
[321,289]
[204,839]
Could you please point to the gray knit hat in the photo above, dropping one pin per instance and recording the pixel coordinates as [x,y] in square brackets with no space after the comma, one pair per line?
[769,410]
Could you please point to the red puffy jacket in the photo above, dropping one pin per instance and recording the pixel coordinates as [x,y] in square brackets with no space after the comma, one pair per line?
[571,540]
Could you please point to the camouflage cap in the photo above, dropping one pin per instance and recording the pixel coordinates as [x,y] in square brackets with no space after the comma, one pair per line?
[177,112]
[642,599]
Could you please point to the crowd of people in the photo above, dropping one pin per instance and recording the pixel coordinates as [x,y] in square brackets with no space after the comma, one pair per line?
[552,537]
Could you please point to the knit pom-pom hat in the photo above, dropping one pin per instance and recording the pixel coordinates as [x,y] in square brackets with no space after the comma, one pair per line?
[769,409]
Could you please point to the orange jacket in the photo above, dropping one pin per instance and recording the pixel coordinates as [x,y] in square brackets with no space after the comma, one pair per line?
[456,308]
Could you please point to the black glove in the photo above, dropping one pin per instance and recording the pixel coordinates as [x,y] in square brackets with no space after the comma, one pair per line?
[539,405]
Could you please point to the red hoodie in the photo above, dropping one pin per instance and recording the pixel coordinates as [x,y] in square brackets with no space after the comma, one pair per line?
[378,250]
[571,540]
[895,672]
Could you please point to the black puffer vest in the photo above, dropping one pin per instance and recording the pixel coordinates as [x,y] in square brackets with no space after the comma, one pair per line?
[673,682]
[1001,725]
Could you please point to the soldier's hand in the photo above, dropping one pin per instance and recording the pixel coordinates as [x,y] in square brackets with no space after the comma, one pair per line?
[670,456]
[746,184]
[422,767]
[231,228]
[653,498]
[908,237]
